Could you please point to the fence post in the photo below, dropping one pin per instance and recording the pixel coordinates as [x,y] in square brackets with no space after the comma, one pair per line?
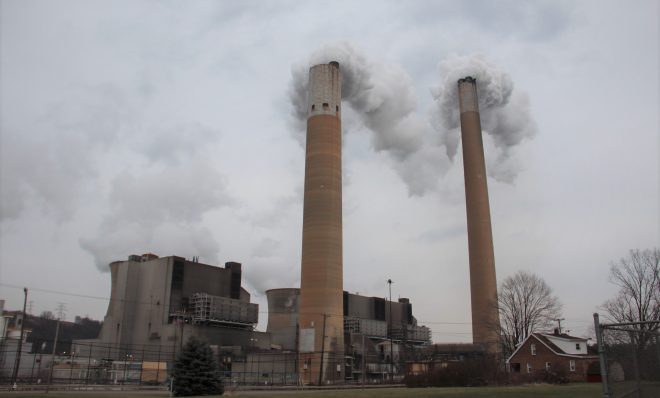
[141,365]
[89,362]
[601,355]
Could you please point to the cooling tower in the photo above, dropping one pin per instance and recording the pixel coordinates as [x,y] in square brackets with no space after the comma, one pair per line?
[321,324]
[483,283]
[283,316]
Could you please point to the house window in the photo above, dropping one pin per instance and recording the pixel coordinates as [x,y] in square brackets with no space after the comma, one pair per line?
[571,365]
[529,368]
[533,348]
[548,366]
[515,367]
[577,346]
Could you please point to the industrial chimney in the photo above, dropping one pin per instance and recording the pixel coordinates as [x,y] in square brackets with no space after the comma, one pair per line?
[321,321]
[483,283]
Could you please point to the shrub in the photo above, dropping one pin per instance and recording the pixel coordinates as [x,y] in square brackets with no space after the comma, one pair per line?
[195,371]
[468,373]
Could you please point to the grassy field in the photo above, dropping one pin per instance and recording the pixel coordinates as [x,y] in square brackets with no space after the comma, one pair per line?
[530,391]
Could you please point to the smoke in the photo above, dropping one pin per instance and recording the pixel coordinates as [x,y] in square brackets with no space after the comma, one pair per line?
[383,98]
[42,153]
[505,113]
[421,150]
[159,200]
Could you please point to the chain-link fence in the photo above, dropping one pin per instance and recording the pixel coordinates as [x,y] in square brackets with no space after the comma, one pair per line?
[85,363]
[92,363]
[629,358]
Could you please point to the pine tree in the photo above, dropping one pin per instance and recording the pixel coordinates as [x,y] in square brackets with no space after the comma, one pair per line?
[195,371]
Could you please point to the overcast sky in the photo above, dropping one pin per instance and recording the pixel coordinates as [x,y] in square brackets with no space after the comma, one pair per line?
[170,127]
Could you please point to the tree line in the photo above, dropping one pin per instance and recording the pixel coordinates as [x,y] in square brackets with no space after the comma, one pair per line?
[526,303]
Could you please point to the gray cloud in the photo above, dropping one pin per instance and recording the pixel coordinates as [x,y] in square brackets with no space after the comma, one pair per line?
[174,143]
[266,248]
[536,21]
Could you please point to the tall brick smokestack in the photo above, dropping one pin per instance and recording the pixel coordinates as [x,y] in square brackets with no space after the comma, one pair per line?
[483,282]
[321,320]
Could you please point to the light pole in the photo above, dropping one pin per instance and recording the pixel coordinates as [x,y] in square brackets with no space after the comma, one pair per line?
[253,340]
[389,324]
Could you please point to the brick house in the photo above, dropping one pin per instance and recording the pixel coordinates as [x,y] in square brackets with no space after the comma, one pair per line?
[552,352]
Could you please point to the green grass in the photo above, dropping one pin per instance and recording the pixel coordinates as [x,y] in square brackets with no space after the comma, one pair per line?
[530,391]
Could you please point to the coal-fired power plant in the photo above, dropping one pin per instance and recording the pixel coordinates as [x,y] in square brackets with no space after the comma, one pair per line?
[483,282]
[321,321]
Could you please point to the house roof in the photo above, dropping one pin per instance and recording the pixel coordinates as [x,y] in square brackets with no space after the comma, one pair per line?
[564,336]
[543,339]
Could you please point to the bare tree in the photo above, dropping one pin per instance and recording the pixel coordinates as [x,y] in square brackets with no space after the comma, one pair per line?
[526,305]
[47,315]
[638,298]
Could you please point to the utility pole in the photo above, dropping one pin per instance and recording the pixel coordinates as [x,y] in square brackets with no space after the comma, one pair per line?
[17,363]
[322,351]
[52,357]
[389,282]
[61,310]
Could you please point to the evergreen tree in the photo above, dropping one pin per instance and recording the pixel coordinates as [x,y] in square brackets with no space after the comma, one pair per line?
[195,371]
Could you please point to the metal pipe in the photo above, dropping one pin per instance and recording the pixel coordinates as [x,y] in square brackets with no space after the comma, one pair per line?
[601,356]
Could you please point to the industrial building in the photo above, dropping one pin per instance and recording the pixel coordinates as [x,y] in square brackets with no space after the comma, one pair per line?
[378,335]
[157,303]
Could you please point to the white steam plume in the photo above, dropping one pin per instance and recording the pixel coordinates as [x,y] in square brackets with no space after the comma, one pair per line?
[383,98]
[505,114]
